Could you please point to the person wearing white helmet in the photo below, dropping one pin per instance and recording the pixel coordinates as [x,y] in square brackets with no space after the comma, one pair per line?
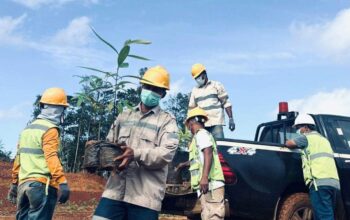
[319,168]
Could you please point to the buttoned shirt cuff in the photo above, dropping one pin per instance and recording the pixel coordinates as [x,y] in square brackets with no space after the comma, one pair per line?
[227,104]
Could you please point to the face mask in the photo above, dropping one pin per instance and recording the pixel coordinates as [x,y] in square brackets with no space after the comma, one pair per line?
[200,81]
[52,113]
[298,131]
[150,98]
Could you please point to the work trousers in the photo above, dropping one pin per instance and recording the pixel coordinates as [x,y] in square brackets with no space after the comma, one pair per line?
[217,131]
[33,203]
[213,204]
[323,202]
[109,209]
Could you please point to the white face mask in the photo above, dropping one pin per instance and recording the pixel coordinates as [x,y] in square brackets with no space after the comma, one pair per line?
[200,80]
[298,131]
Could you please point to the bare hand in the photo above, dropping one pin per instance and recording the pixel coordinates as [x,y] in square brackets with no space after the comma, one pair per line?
[204,184]
[126,157]
[180,166]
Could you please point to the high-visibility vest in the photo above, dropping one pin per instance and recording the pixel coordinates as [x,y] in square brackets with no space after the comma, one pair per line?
[30,151]
[318,162]
[196,167]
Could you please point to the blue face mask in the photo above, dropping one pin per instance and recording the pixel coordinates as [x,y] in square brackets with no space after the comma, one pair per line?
[150,98]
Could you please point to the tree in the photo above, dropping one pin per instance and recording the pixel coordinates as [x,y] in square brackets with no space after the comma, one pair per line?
[178,106]
[4,155]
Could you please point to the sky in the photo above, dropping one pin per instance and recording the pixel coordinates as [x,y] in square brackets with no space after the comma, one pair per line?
[263,52]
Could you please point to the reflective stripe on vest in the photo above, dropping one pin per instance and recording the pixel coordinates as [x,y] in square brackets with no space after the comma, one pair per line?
[318,162]
[31,154]
[196,167]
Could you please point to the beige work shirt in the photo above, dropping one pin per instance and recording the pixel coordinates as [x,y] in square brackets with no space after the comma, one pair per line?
[212,98]
[154,138]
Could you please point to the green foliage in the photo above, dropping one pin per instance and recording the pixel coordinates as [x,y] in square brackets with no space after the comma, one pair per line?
[4,155]
[178,105]
[114,80]
[102,98]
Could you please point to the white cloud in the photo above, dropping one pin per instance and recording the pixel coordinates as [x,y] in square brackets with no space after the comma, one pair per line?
[77,33]
[330,38]
[336,102]
[35,4]
[247,63]
[8,26]
[15,112]
[68,45]
[179,86]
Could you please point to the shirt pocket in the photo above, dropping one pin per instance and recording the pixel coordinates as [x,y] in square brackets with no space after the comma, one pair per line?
[124,135]
[147,141]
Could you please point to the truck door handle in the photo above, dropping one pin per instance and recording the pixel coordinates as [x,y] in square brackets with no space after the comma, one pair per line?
[347,161]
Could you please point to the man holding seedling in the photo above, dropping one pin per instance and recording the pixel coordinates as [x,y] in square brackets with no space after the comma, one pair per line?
[150,139]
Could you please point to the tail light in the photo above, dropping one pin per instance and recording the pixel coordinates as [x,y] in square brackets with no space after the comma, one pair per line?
[230,177]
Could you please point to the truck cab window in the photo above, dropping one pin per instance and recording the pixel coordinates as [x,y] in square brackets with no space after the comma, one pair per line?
[278,133]
[339,131]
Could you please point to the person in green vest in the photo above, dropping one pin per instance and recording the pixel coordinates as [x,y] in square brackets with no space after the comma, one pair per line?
[37,173]
[206,173]
[319,168]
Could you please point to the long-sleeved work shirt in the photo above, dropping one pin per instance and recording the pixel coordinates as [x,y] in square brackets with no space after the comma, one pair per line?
[154,139]
[50,142]
[213,98]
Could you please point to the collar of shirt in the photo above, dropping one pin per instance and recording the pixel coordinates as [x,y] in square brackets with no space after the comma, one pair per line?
[155,109]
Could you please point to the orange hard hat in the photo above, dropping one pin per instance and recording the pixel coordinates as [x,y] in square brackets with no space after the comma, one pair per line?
[197,69]
[157,76]
[197,111]
[54,96]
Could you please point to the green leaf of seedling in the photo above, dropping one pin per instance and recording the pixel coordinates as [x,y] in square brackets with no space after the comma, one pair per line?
[96,70]
[103,40]
[131,76]
[138,57]
[137,41]
[124,83]
[123,54]
[124,65]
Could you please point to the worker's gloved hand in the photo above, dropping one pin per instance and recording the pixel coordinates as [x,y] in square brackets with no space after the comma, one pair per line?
[12,194]
[231,124]
[64,193]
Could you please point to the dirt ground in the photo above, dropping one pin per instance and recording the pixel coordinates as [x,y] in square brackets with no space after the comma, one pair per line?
[86,191]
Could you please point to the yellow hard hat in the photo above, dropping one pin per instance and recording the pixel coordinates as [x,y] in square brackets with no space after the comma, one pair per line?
[197,69]
[157,76]
[196,112]
[54,96]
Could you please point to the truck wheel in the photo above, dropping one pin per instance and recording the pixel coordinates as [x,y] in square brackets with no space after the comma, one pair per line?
[296,207]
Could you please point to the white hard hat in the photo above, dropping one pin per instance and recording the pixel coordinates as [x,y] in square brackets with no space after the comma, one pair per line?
[304,119]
